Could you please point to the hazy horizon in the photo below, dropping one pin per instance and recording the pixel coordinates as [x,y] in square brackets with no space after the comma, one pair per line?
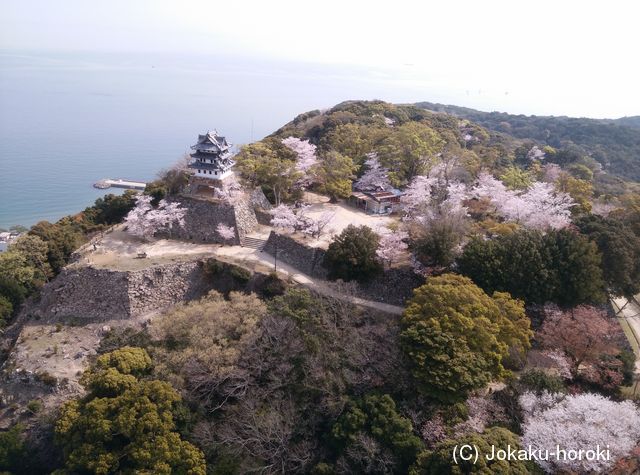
[532,58]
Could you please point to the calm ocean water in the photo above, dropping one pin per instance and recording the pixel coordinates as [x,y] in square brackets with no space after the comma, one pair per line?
[66,121]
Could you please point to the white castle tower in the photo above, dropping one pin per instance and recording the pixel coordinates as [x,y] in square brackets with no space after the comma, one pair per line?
[212,157]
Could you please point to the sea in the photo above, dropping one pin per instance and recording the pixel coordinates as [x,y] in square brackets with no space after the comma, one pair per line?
[68,120]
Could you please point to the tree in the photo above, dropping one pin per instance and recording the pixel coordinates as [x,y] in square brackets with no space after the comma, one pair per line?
[272,166]
[34,249]
[376,416]
[438,241]
[306,159]
[456,336]
[576,264]
[392,246]
[440,459]
[375,178]
[204,341]
[353,140]
[225,232]
[537,207]
[584,334]
[12,449]
[111,209]
[6,310]
[516,178]
[409,151]
[561,266]
[581,191]
[314,227]
[335,174]
[284,218]
[14,266]
[352,254]
[144,220]
[620,249]
[125,424]
[62,239]
[579,422]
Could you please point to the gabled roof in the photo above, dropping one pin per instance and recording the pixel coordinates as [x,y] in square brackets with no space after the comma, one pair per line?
[211,142]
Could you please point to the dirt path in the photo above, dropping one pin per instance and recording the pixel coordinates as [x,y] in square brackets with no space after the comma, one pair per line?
[118,250]
[629,316]
[242,256]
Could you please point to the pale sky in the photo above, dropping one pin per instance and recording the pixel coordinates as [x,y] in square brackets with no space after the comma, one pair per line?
[556,57]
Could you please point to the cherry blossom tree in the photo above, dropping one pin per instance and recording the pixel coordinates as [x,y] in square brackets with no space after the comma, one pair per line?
[584,334]
[428,197]
[538,207]
[306,159]
[417,198]
[229,191]
[391,246]
[144,220]
[375,178]
[544,208]
[535,154]
[580,422]
[225,232]
[288,220]
[314,227]
[284,218]
[551,172]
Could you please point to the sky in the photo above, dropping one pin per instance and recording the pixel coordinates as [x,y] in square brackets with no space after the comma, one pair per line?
[532,57]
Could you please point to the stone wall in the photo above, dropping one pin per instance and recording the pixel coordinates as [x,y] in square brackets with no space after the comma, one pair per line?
[203,216]
[263,216]
[201,219]
[160,287]
[304,258]
[394,286]
[86,293]
[245,218]
[259,200]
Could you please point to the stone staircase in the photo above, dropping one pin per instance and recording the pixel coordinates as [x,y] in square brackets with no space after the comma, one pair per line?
[254,243]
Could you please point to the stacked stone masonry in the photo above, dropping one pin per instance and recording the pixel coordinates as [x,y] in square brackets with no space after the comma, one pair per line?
[101,294]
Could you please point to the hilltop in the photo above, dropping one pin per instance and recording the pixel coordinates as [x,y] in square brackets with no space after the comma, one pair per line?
[614,143]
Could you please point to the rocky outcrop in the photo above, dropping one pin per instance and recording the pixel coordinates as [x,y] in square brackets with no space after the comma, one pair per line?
[89,294]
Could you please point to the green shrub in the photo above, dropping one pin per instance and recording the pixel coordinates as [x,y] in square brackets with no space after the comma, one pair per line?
[240,275]
[35,406]
[213,267]
[352,255]
[538,381]
[46,378]
[272,286]
[628,366]
[6,310]
[12,450]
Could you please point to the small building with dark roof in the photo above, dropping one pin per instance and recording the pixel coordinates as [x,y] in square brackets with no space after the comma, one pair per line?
[376,202]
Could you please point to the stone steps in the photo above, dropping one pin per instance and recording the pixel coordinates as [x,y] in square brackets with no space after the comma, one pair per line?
[254,243]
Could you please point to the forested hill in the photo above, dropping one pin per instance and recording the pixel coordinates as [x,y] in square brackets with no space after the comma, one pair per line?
[633,121]
[613,143]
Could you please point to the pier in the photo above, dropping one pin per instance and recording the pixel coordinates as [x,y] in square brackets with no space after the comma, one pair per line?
[120,183]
